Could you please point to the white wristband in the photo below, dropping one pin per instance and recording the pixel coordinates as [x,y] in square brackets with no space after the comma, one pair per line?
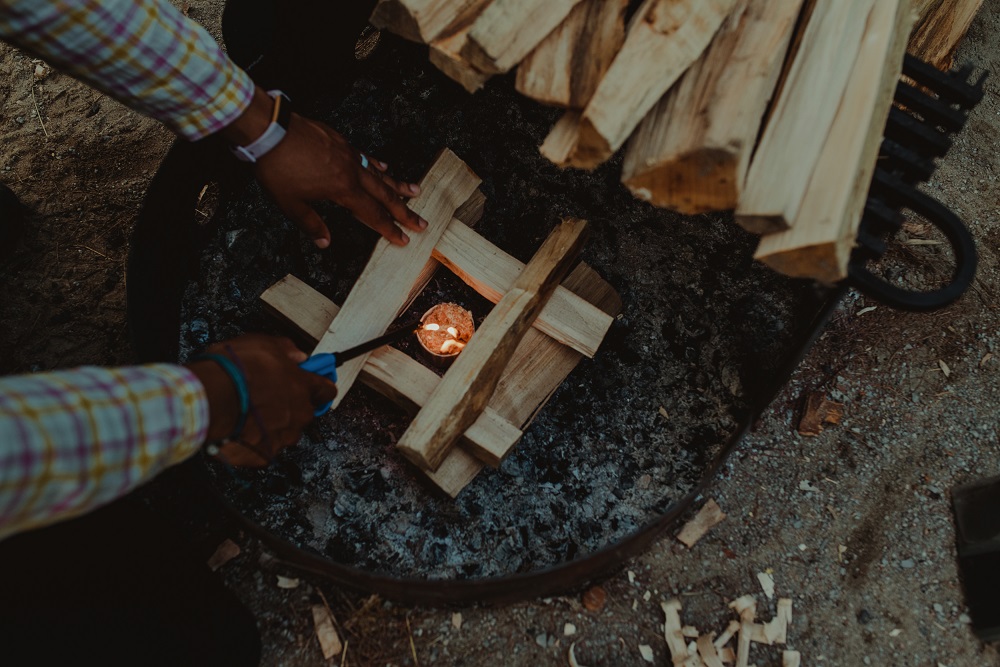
[274,133]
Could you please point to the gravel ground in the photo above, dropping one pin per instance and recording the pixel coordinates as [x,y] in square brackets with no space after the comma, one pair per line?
[855,524]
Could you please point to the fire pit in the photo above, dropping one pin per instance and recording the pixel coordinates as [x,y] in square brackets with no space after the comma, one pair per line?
[704,339]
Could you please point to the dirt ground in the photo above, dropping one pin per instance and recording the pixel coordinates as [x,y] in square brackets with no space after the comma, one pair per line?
[854,525]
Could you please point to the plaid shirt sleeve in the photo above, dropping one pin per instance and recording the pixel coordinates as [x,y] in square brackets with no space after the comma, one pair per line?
[144,53]
[73,440]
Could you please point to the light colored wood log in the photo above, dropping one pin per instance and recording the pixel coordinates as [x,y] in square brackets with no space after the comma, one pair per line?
[793,140]
[469,213]
[819,244]
[566,67]
[385,283]
[692,152]
[708,516]
[403,380]
[446,55]
[664,39]
[508,30]
[468,385]
[540,364]
[942,25]
[566,317]
[425,20]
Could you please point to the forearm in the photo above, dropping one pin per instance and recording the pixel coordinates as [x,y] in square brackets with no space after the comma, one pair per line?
[144,53]
[71,441]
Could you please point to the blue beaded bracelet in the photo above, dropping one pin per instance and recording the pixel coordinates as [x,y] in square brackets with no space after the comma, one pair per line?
[239,381]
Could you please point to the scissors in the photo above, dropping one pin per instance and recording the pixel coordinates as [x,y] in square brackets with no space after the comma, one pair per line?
[325,363]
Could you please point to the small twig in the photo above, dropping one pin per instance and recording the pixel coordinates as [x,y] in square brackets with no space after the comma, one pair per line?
[38,112]
[87,247]
[343,656]
[413,647]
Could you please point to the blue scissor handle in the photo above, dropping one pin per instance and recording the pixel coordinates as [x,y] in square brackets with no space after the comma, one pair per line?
[324,364]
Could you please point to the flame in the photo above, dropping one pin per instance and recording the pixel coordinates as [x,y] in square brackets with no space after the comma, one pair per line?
[451,345]
[453,331]
[432,327]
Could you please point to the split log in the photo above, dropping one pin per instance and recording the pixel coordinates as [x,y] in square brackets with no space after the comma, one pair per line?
[708,516]
[663,40]
[793,140]
[490,271]
[425,20]
[446,55]
[385,283]
[508,30]
[466,388]
[692,152]
[567,66]
[942,25]
[825,224]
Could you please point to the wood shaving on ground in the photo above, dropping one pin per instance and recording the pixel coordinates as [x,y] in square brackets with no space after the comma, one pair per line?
[326,633]
[711,651]
[572,656]
[944,367]
[646,651]
[288,582]
[791,659]
[766,583]
[456,621]
[708,516]
[819,411]
[224,553]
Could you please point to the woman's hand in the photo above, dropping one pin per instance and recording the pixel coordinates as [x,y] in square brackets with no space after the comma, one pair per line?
[283,397]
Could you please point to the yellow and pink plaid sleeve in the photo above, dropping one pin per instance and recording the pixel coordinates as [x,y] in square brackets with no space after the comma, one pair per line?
[73,440]
[144,53]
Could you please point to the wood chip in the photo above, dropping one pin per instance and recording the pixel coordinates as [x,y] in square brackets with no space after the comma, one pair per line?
[572,656]
[646,651]
[708,516]
[709,654]
[594,598]
[690,632]
[569,630]
[456,621]
[791,659]
[288,582]
[672,631]
[326,633]
[767,584]
[866,310]
[985,359]
[944,367]
[819,411]
[664,413]
[225,552]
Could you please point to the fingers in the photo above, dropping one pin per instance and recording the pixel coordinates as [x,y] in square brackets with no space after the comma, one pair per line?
[402,189]
[286,345]
[370,211]
[307,220]
[378,187]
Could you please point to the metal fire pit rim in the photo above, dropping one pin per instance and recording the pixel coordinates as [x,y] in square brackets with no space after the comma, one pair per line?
[173,192]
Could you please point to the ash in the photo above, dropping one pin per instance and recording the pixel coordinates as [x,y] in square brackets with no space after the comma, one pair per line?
[702,331]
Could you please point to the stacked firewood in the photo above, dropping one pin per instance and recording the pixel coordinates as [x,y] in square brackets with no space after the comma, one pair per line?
[772,108]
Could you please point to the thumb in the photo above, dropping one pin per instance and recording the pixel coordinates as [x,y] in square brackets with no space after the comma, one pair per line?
[307,220]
